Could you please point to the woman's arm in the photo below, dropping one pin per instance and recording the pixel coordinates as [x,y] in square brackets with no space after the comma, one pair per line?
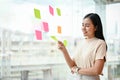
[95,70]
[68,59]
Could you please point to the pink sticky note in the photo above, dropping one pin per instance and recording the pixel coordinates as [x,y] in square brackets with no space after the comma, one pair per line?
[45,27]
[51,10]
[38,34]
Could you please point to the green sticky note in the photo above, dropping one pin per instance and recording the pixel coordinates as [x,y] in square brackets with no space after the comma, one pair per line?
[65,42]
[37,13]
[58,11]
[54,38]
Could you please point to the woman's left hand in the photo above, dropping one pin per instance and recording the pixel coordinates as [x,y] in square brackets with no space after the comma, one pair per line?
[74,69]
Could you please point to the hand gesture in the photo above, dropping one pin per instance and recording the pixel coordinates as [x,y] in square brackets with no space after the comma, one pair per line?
[61,46]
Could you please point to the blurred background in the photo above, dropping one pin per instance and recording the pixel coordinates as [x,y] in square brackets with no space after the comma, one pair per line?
[27,51]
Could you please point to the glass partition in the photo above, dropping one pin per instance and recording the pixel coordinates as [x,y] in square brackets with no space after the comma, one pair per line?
[113,40]
[27,51]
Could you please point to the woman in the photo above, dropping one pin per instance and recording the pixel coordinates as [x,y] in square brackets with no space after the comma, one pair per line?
[90,56]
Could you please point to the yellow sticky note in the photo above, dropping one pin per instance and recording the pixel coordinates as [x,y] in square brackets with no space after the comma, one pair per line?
[54,38]
[58,11]
[65,42]
[37,13]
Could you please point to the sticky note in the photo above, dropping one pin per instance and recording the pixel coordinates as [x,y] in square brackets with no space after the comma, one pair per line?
[45,27]
[54,38]
[59,29]
[51,10]
[38,34]
[65,42]
[58,11]
[37,13]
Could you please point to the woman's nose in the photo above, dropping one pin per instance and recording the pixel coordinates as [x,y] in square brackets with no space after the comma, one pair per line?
[83,27]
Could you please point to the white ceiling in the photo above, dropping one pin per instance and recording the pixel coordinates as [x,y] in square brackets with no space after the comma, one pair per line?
[66,1]
[107,1]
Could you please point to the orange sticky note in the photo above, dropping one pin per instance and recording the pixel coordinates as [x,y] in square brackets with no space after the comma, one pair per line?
[59,29]
[51,10]
[38,34]
[45,27]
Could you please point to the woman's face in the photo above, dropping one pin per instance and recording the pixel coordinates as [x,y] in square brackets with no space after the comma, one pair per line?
[88,28]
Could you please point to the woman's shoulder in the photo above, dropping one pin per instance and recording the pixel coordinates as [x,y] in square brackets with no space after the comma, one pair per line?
[100,41]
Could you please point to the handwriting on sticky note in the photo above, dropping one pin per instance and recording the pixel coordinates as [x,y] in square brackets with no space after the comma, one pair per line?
[37,13]
[65,42]
[51,10]
[38,34]
[58,11]
[54,38]
[45,27]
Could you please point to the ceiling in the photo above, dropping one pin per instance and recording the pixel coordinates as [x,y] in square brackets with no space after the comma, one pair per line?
[107,1]
[67,1]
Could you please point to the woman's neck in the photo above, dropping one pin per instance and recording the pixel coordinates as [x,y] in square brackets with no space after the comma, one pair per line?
[89,37]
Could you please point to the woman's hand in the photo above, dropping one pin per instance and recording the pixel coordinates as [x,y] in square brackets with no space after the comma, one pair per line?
[61,46]
[68,59]
[75,69]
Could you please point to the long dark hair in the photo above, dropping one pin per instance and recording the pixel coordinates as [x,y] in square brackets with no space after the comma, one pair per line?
[97,24]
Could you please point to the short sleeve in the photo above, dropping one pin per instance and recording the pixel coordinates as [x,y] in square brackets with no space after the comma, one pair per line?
[101,51]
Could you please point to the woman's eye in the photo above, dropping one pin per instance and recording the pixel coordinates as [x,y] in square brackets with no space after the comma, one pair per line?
[87,26]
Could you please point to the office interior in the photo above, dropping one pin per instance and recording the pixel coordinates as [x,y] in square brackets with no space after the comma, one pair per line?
[28,50]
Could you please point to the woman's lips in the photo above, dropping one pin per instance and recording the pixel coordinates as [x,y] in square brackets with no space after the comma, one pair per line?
[84,32]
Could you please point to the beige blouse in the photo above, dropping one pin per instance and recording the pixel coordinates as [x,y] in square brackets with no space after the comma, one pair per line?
[88,51]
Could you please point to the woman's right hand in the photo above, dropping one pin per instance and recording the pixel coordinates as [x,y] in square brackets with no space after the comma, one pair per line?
[61,47]
[69,61]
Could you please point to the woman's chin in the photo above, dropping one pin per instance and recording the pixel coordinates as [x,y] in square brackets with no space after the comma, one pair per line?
[85,35]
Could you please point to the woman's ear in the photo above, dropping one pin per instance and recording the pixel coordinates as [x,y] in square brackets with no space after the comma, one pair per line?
[96,28]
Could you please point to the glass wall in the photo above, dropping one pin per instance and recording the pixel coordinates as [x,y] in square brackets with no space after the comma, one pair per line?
[26,48]
[113,40]
[27,51]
